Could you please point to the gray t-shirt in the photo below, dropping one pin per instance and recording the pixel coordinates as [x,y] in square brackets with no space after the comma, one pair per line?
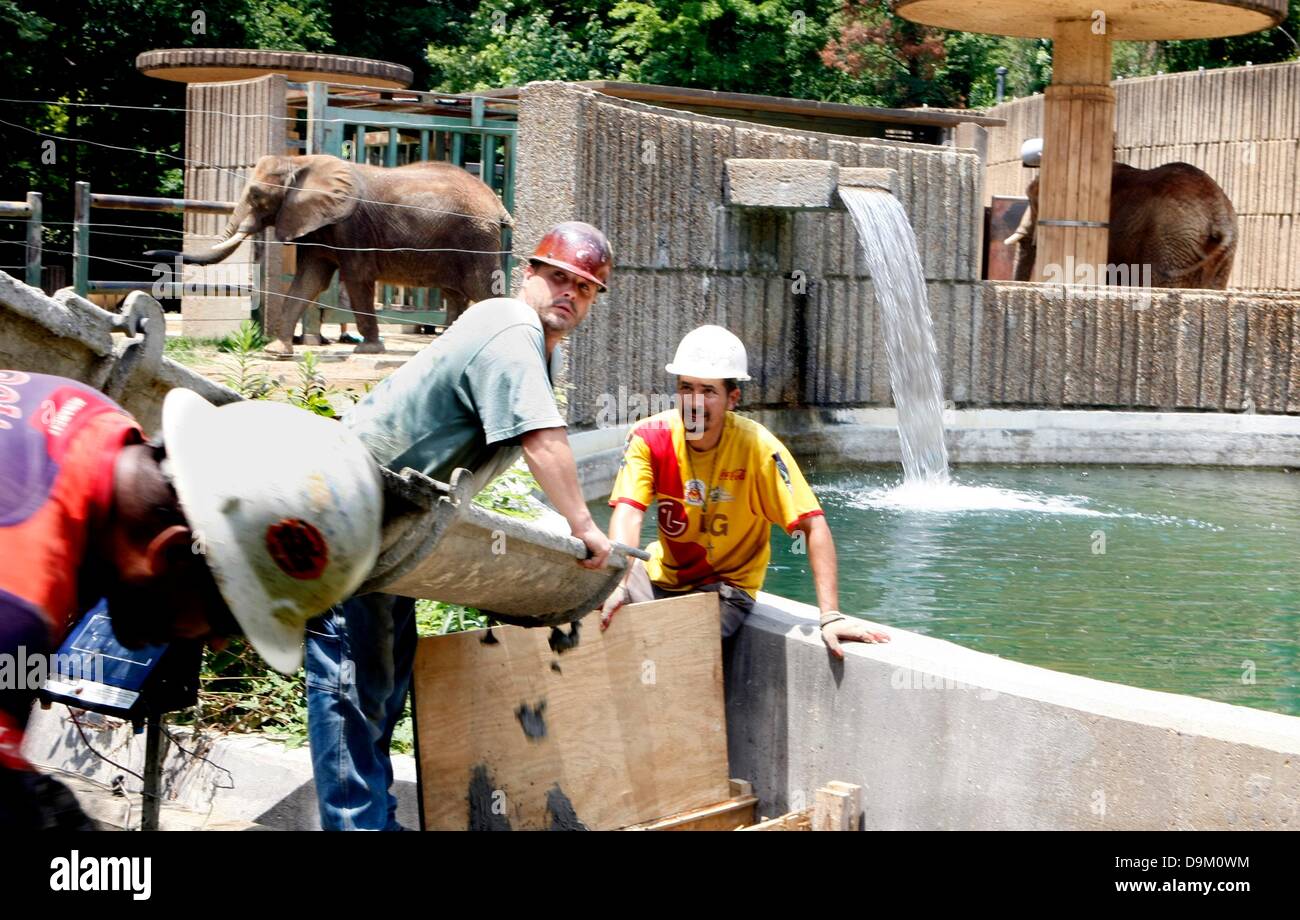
[465,400]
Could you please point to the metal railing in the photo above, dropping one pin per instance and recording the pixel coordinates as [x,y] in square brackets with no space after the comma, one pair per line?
[29,210]
[84,200]
[367,127]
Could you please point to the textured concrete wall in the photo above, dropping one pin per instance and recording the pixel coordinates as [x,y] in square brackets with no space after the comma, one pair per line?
[1043,345]
[653,179]
[229,127]
[69,336]
[942,737]
[1241,125]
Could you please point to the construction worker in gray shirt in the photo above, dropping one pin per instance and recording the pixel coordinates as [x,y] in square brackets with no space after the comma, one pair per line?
[474,399]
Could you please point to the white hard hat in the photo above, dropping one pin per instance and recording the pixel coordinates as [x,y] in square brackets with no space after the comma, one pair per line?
[712,353]
[285,505]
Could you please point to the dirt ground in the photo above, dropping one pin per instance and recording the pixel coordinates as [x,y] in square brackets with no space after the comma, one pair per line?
[341,369]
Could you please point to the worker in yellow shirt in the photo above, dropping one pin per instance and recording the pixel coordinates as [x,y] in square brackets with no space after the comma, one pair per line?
[720,482]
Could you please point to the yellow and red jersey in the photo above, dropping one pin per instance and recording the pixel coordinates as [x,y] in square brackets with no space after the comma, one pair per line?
[716,508]
[59,442]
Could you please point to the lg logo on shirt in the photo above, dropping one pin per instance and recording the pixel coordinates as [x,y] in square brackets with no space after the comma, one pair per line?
[672,517]
[674,523]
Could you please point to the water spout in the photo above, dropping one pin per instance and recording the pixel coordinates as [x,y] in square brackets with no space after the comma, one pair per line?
[889,247]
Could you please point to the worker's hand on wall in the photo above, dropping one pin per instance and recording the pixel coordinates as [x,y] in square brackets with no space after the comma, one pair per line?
[847,630]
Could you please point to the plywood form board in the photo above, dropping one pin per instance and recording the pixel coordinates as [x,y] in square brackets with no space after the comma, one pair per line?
[624,728]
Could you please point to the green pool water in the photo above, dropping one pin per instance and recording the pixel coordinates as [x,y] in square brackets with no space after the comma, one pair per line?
[1176,579]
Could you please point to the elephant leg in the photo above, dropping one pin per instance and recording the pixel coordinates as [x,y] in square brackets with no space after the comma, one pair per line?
[455,303]
[313,277]
[311,323]
[313,317]
[362,295]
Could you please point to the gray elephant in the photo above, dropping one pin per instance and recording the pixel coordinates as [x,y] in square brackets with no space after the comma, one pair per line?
[428,224]
[1174,218]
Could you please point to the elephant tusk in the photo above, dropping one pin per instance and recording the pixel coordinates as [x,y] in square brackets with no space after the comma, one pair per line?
[1014,238]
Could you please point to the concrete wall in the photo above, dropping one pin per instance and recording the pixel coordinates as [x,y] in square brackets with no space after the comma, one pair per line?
[1049,345]
[229,127]
[944,738]
[1240,124]
[652,178]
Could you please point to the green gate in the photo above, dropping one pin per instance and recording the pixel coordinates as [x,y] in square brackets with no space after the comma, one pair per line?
[392,128]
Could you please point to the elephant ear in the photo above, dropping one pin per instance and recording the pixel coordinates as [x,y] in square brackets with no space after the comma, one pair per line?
[322,191]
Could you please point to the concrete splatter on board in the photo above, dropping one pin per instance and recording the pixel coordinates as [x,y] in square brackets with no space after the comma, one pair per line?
[559,642]
[555,666]
[563,817]
[533,719]
[484,814]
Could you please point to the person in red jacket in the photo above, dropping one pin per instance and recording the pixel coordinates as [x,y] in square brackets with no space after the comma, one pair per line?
[175,535]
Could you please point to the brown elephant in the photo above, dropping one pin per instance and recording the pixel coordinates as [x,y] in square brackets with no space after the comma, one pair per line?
[426,224]
[1174,218]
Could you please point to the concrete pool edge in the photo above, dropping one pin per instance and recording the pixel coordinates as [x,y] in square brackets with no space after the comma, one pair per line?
[1005,436]
[943,737]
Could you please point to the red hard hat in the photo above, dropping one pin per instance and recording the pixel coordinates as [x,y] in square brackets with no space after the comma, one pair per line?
[579,248]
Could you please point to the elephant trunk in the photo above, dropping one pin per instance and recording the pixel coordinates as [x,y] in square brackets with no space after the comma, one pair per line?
[242,224]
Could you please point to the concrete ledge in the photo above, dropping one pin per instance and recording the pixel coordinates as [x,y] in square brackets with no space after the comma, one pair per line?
[1054,436]
[870,435]
[788,184]
[942,737]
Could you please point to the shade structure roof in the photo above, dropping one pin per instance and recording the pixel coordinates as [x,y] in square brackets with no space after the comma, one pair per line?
[1128,20]
[219,65]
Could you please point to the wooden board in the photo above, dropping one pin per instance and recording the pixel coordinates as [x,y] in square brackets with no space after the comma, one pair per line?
[633,722]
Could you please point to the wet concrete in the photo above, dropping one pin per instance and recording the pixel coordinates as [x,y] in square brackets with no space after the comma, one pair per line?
[482,797]
[561,643]
[563,816]
[532,719]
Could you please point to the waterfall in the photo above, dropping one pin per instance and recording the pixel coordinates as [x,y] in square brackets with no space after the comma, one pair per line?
[889,247]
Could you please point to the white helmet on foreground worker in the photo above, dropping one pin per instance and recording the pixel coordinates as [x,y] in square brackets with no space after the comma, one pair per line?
[710,353]
[286,507]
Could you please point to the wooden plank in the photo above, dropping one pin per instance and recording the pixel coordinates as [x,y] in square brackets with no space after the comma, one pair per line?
[731,815]
[624,728]
[794,821]
[837,807]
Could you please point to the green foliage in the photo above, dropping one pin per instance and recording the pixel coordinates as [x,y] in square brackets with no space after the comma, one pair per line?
[185,349]
[303,25]
[512,43]
[434,618]
[310,393]
[244,373]
[239,693]
[511,494]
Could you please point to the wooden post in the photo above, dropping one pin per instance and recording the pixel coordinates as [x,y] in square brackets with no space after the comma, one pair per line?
[81,239]
[1078,154]
[33,276]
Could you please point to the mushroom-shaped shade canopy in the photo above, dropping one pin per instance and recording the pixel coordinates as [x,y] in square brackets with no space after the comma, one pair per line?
[221,65]
[1128,20]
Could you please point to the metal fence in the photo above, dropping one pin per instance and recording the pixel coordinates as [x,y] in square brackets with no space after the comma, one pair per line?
[30,211]
[392,128]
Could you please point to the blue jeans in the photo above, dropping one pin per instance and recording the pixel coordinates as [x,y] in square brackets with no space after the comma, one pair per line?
[359,660]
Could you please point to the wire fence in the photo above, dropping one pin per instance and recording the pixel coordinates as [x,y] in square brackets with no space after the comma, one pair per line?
[313,113]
